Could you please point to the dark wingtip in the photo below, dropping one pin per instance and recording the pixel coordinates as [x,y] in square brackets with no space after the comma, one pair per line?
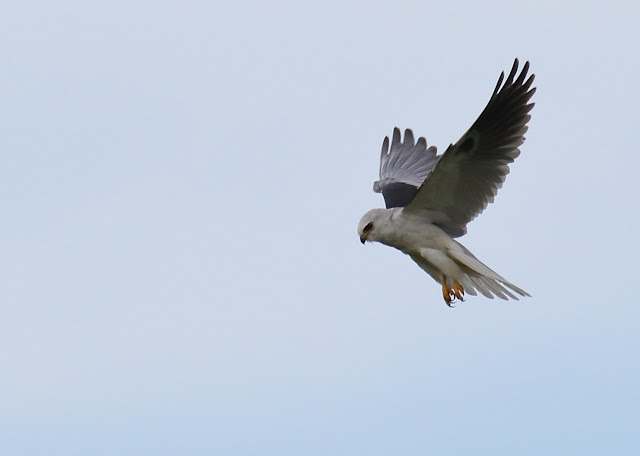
[500,79]
[512,73]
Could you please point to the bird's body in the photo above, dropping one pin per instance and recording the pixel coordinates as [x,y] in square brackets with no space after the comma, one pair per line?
[442,257]
[405,232]
[431,198]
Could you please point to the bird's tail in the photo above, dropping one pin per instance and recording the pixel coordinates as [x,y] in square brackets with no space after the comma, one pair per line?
[479,276]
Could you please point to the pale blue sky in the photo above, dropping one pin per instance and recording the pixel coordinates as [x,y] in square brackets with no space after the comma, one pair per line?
[181,271]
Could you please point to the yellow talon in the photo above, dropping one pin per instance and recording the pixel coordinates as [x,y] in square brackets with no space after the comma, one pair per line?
[447,293]
[450,295]
[458,290]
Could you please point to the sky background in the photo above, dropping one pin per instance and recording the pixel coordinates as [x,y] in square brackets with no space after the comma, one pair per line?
[181,274]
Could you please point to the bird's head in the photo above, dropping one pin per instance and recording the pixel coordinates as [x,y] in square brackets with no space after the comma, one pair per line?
[368,224]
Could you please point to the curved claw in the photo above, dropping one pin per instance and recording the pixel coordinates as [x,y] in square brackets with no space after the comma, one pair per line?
[458,290]
[450,295]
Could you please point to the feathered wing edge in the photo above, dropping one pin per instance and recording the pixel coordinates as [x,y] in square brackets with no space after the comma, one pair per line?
[468,175]
[403,167]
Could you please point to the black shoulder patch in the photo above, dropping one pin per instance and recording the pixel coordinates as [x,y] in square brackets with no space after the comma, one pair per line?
[398,194]
[467,145]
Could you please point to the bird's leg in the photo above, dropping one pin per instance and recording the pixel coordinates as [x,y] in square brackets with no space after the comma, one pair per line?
[447,293]
[458,290]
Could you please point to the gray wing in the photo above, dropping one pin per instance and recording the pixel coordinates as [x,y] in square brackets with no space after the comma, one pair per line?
[468,175]
[403,168]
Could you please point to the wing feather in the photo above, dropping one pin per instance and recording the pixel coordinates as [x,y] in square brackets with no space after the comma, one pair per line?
[403,167]
[469,174]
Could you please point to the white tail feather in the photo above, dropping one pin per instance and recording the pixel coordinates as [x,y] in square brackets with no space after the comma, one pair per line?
[483,278]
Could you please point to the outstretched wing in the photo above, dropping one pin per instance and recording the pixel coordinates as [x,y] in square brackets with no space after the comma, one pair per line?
[403,168]
[468,175]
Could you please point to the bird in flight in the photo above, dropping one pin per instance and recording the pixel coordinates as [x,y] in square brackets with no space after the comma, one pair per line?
[431,198]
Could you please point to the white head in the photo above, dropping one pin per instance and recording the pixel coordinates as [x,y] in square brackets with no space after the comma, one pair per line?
[372,220]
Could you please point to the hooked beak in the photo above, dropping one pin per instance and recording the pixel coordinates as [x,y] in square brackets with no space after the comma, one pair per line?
[363,238]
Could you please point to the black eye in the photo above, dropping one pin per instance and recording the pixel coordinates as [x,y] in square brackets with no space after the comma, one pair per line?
[368,228]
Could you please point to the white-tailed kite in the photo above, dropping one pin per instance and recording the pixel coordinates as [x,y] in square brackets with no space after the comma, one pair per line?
[430,198]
